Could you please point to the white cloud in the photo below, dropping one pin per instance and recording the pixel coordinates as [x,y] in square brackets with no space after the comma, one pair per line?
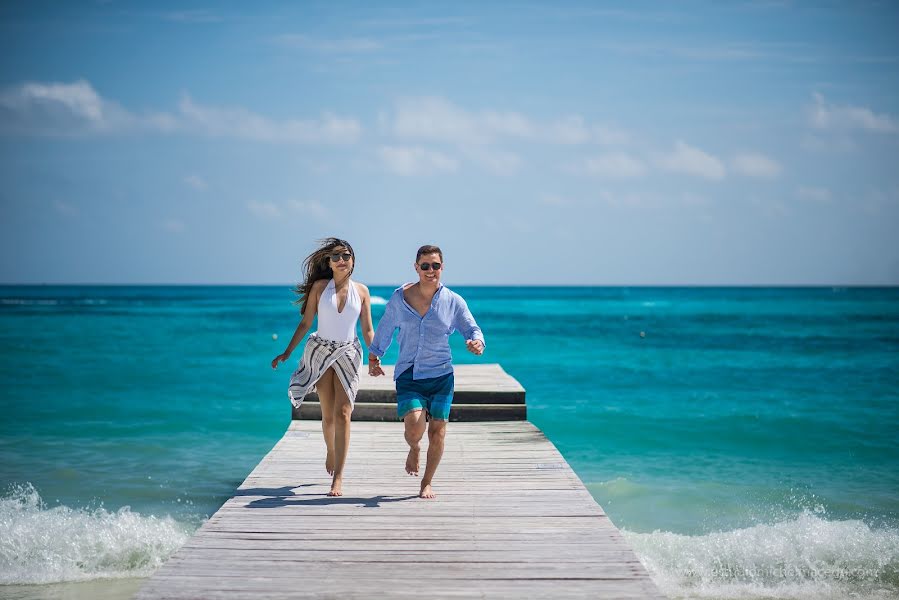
[692,161]
[437,119]
[756,165]
[610,136]
[174,226]
[242,123]
[67,108]
[77,109]
[196,182]
[264,210]
[615,165]
[569,130]
[410,161]
[826,116]
[328,46]
[814,194]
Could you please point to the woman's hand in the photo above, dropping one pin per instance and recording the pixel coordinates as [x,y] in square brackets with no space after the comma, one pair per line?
[374,366]
[279,359]
[475,346]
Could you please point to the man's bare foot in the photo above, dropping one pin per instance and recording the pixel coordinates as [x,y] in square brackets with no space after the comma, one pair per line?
[412,461]
[336,486]
[427,492]
[329,463]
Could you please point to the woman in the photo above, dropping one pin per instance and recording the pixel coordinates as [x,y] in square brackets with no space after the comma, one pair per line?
[333,354]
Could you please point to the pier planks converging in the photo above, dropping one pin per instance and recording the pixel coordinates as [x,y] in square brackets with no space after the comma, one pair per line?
[511,520]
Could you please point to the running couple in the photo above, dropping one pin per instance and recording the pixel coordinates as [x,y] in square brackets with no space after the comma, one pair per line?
[426,313]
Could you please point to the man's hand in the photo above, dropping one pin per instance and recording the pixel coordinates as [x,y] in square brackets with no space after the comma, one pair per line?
[374,366]
[475,346]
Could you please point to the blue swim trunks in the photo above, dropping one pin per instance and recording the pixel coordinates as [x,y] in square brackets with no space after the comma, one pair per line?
[434,394]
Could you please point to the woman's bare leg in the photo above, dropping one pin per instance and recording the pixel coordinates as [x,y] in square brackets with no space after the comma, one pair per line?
[343,411]
[325,388]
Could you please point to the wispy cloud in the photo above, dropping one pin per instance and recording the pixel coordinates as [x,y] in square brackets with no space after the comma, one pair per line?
[409,161]
[569,130]
[65,109]
[692,161]
[436,119]
[298,41]
[826,116]
[413,22]
[71,109]
[242,123]
[755,165]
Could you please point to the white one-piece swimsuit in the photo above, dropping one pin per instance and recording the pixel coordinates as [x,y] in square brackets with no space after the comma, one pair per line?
[334,325]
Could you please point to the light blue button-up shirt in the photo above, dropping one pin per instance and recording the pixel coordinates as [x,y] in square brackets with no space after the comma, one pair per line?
[424,341]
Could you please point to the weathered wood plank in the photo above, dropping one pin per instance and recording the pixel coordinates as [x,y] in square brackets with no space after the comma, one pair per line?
[483,392]
[512,520]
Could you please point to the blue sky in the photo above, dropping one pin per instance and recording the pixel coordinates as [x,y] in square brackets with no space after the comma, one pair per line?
[637,143]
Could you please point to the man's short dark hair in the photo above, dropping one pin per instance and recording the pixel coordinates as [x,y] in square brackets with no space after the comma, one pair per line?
[428,249]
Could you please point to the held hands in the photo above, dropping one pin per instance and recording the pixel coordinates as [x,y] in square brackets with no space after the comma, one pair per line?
[475,346]
[279,359]
[374,366]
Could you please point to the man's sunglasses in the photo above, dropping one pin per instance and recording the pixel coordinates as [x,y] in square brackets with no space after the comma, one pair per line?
[346,256]
[428,266]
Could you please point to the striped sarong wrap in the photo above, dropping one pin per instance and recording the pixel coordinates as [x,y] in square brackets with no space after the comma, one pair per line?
[318,356]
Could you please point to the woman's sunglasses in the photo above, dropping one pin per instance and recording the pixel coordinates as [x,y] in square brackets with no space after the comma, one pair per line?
[346,256]
[428,266]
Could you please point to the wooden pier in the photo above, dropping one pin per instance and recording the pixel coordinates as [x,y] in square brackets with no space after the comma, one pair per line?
[482,393]
[511,520]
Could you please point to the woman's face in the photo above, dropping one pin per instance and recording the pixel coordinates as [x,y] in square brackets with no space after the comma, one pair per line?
[341,260]
[429,268]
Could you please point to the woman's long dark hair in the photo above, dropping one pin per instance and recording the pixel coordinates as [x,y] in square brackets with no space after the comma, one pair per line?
[318,266]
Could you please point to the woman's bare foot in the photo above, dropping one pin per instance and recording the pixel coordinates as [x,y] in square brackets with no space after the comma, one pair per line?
[412,461]
[329,462]
[336,486]
[427,492]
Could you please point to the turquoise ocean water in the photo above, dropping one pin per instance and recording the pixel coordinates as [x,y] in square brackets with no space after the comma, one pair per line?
[747,443]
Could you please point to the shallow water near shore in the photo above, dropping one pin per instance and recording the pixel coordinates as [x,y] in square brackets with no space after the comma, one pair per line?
[745,442]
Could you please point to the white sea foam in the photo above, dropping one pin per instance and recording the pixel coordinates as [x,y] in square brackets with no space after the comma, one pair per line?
[47,545]
[378,300]
[804,558]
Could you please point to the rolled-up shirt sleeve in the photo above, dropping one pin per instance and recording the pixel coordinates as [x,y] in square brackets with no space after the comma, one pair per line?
[386,326]
[464,322]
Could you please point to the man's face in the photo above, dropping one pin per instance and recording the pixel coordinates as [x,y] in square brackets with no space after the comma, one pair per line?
[429,268]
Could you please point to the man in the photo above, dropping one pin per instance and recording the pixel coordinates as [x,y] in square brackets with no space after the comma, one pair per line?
[426,314]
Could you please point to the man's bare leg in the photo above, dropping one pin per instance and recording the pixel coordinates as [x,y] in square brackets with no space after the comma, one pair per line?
[325,389]
[436,438]
[416,423]
[343,411]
